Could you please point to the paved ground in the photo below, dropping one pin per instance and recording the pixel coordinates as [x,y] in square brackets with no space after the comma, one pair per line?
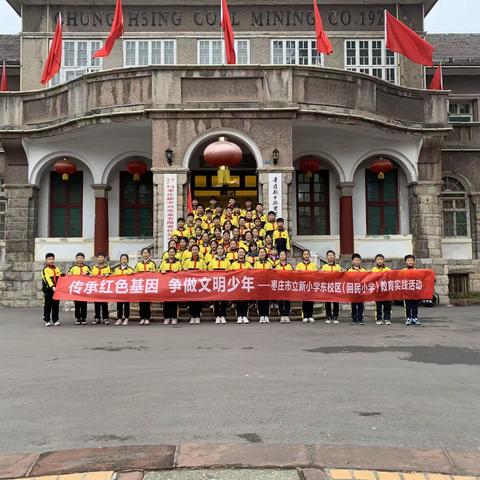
[104,386]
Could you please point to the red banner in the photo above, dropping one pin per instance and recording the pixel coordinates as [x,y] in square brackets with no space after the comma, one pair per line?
[250,285]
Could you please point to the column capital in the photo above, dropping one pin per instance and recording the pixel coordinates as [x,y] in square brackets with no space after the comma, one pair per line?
[346,188]
[100,190]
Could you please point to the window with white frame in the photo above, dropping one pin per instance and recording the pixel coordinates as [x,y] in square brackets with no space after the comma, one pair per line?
[212,52]
[295,52]
[460,111]
[149,52]
[371,57]
[77,60]
[455,208]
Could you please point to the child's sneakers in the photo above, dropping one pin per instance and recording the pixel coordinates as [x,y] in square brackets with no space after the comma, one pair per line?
[118,322]
[106,322]
[174,321]
[147,322]
[84,321]
[239,320]
[78,321]
[379,322]
[141,322]
[125,322]
[166,321]
[222,320]
[335,320]
[218,321]
[48,324]
[305,320]
[388,322]
[197,321]
[96,321]
[328,320]
[409,321]
[56,324]
[415,321]
[192,320]
[245,320]
[311,320]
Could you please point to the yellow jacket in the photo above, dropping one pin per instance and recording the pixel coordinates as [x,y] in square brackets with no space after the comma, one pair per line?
[180,233]
[148,266]
[281,238]
[360,269]
[232,256]
[266,265]
[270,226]
[194,264]
[237,265]
[50,276]
[310,266]
[128,270]
[76,270]
[104,270]
[327,267]
[377,269]
[283,266]
[219,264]
[167,267]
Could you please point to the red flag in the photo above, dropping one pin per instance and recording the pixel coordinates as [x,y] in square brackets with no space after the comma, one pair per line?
[54,59]
[228,35]
[437,80]
[115,32]
[323,43]
[4,82]
[189,200]
[401,39]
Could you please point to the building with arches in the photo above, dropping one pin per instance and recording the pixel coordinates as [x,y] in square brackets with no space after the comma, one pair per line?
[163,96]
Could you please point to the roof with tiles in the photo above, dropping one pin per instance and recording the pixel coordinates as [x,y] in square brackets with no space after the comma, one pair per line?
[10,49]
[456,48]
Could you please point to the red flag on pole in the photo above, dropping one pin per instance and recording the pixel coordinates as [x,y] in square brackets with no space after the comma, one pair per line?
[54,59]
[323,43]
[401,39]
[437,80]
[115,32]
[4,82]
[228,35]
[189,200]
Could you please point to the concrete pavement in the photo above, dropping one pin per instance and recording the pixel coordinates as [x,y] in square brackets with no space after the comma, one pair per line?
[399,386]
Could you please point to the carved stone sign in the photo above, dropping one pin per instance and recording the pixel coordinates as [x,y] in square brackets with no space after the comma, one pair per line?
[196,18]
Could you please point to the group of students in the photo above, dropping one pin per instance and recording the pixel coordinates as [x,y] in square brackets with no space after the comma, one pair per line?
[219,239]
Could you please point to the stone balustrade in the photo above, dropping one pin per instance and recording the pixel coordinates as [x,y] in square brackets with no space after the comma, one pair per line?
[160,90]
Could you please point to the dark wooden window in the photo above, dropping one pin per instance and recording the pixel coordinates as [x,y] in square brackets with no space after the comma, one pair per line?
[136,205]
[382,203]
[313,203]
[66,198]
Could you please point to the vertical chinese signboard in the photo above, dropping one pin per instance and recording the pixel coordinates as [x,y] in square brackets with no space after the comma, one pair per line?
[275,193]
[169,206]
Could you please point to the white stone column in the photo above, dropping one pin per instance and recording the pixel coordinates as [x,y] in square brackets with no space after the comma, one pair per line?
[159,202]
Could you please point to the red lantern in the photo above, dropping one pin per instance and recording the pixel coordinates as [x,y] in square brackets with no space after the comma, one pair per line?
[65,168]
[137,168]
[223,154]
[309,165]
[381,166]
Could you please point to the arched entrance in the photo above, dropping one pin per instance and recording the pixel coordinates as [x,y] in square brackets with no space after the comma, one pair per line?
[204,182]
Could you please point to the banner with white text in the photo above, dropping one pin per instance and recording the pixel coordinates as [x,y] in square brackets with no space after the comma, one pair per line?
[250,285]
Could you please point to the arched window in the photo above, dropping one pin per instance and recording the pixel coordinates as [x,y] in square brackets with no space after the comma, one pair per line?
[455,209]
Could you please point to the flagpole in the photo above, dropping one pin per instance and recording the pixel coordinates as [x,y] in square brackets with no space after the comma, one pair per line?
[222,34]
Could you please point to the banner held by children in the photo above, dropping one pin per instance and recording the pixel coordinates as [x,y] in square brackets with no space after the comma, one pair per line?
[415,284]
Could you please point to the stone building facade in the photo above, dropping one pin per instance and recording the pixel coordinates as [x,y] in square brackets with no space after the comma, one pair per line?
[163,95]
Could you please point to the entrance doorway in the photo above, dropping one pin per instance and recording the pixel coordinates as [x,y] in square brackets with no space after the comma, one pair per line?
[243,179]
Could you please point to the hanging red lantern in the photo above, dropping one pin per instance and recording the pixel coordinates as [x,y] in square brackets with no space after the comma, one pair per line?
[65,168]
[381,166]
[223,155]
[137,168]
[309,165]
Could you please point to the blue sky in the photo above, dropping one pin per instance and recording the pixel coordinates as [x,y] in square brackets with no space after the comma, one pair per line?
[454,16]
